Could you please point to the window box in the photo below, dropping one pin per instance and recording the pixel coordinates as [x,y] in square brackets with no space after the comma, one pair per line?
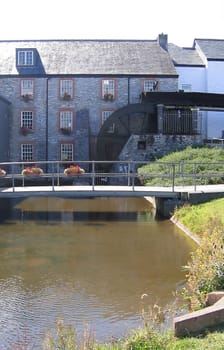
[74,170]
[66,96]
[108,97]
[32,171]
[25,131]
[2,172]
[66,131]
[27,97]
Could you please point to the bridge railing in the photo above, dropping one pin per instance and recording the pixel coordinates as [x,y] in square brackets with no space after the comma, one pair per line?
[126,173]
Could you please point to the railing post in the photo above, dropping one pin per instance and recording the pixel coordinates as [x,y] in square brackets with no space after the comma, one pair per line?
[173,176]
[58,174]
[52,176]
[133,176]
[129,170]
[13,182]
[195,177]
[93,175]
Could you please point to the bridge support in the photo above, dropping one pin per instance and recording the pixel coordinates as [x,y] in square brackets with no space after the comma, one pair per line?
[165,206]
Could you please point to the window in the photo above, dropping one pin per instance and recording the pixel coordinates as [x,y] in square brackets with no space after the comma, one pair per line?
[186,87]
[66,151]
[26,88]
[108,89]
[66,120]
[26,152]
[105,115]
[66,88]
[25,58]
[150,85]
[27,119]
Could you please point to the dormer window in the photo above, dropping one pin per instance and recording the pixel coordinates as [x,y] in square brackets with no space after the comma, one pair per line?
[25,57]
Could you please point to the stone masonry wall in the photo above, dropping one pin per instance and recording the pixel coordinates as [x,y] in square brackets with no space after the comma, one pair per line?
[87,105]
[156,145]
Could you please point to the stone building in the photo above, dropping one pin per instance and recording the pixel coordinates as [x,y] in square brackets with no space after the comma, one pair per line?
[62,91]
[59,93]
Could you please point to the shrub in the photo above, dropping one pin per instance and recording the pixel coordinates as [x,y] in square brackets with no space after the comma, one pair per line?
[206,268]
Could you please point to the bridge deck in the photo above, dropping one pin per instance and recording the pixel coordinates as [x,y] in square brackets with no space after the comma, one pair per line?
[109,191]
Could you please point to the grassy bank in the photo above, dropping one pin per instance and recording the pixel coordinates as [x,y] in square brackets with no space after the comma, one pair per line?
[144,339]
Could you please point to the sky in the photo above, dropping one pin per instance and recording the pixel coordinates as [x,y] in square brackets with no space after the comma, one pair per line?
[181,20]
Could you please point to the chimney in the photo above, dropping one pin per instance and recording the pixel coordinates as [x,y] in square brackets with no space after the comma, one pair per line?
[163,41]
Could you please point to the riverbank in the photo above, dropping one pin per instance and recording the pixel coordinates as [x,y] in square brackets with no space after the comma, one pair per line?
[183,228]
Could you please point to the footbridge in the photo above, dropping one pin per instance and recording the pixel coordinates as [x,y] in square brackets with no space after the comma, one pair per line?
[171,188]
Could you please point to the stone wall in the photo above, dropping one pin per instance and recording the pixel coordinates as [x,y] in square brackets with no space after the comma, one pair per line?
[150,147]
[87,105]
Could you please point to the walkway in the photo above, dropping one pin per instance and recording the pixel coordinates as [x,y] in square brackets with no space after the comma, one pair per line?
[177,192]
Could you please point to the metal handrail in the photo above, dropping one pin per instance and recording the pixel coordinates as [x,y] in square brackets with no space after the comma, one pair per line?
[120,169]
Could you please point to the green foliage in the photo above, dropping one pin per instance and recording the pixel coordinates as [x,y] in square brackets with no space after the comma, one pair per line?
[146,339]
[64,340]
[197,217]
[186,164]
[206,268]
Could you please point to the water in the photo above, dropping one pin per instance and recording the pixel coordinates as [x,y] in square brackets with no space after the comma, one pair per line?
[87,261]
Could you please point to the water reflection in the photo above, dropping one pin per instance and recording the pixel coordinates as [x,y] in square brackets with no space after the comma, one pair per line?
[86,260]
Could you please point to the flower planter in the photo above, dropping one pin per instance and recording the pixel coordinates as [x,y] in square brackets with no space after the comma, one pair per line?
[2,172]
[25,131]
[74,170]
[27,97]
[66,131]
[33,171]
[108,97]
[66,97]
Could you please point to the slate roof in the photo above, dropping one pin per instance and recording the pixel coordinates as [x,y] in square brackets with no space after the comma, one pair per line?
[132,57]
[213,49]
[184,56]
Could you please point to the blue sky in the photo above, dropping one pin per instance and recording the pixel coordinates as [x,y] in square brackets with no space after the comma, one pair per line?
[183,21]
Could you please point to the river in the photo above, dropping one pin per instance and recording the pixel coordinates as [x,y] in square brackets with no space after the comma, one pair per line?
[86,261]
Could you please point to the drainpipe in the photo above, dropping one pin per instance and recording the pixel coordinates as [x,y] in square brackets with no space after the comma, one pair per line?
[46,133]
[128,90]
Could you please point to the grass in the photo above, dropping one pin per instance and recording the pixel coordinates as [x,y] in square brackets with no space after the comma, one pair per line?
[146,338]
[197,217]
[186,164]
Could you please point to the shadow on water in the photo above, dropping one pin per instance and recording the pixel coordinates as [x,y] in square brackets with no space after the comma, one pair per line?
[85,260]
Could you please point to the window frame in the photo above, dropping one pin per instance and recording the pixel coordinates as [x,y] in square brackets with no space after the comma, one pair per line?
[105,111]
[25,57]
[62,144]
[25,122]
[154,85]
[186,87]
[27,92]
[108,89]
[66,92]
[65,112]
[22,151]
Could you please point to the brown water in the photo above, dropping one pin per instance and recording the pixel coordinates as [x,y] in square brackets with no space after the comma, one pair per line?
[87,261]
